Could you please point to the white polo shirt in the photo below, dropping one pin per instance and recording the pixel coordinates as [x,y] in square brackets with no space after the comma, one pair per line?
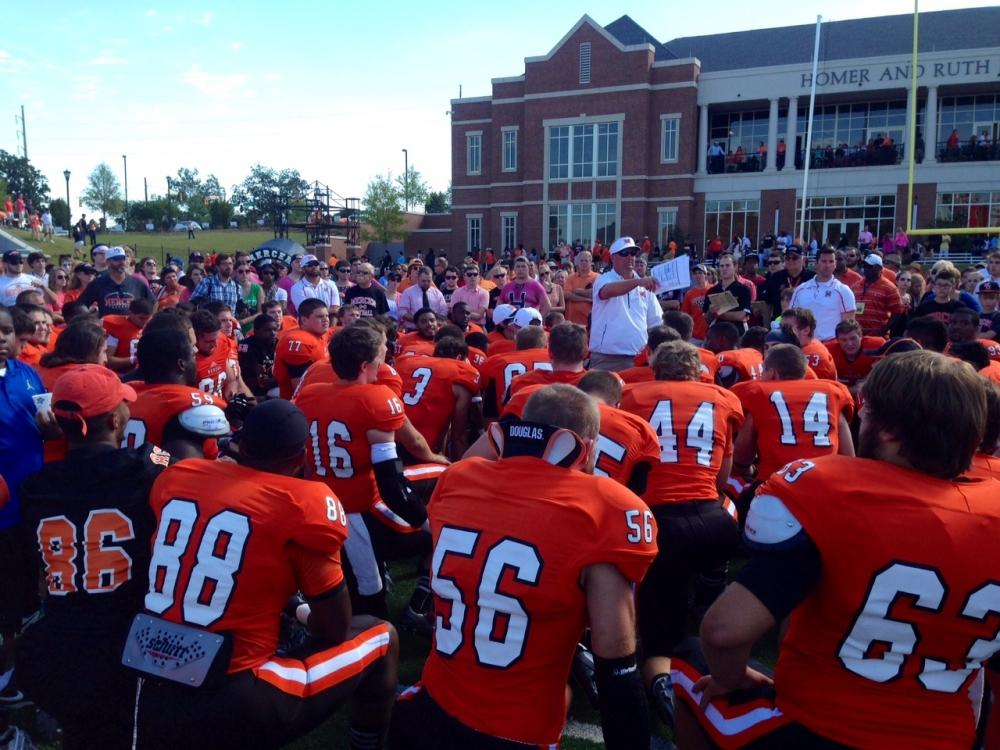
[619,325]
[827,300]
[325,290]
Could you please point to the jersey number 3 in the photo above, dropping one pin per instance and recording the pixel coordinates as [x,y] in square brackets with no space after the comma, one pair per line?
[510,553]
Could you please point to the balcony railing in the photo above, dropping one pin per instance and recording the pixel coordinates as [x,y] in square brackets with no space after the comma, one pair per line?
[734,162]
[833,157]
[980,150]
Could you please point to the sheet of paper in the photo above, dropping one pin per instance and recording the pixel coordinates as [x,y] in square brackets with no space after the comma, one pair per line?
[674,274]
[724,301]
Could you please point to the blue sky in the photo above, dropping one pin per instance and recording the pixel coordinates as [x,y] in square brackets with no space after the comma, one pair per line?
[335,92]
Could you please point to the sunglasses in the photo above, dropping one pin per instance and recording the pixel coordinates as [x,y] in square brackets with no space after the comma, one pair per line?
[451,278]
[632,251]
[471,275]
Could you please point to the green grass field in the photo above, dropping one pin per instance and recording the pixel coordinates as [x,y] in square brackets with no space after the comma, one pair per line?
[158,244]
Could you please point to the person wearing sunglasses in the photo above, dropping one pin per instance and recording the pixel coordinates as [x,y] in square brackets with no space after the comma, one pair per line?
[625,308]
[366,295]
[474,296]
[450,283]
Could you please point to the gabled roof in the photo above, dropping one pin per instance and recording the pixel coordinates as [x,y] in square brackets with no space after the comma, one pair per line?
[628,32]
[972,28]
[633,45]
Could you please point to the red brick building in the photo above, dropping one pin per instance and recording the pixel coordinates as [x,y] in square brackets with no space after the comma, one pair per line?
[613,132]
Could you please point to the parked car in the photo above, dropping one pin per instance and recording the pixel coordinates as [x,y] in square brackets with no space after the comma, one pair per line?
[117,229]
[184,226]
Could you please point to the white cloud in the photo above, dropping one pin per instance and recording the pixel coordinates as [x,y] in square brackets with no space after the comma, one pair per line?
[272,77]
[107,60]
[236,45]
[4,54]
[168,29]
[222,85]
[205,19]
[150,13]
[85,88]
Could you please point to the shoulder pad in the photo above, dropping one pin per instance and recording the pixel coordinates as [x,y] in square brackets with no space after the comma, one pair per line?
[769,522]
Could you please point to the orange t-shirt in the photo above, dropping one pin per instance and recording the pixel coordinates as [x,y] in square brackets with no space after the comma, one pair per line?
[266,537]
[295,351]
[123,335]
[850,373]
[576,311]
[692,305]
[794,419]
[506,652]
[55,450]
[500,369]
[156,405]
[339,453]
[427,392]
[31,354]
[695,423]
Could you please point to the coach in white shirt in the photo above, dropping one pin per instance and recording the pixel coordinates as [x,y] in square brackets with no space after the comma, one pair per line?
[313,285]
[829,300]
[625,308]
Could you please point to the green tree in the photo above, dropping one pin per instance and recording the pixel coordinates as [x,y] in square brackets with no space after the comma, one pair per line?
[437,203]
[60,212]
[23,179]
[262,191]
[220,213]
[383,214]
[103,193]
[412,188]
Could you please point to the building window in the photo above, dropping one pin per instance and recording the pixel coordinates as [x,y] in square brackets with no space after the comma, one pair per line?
[829,217]
[509,149]
[582,223]
[969,128]
[474,232]
[508,231]
[585,62]
[572,154]
[667,223]
[669,136]
[473,153]
[558,153]
[969,209]
[727,219]
[741,136]
[856,135]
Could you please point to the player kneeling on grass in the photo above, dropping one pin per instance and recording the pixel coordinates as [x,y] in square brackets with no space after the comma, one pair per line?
[886,569]
[234,541]
[512,597]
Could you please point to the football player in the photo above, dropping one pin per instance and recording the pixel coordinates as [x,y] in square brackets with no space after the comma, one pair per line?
[736,364]
[124,332]
[567,351]
[500,369]
[851,354]
[300,347]
[217,369]
[802,323]
[695,423]
[884,566]
[512,602]
[233,543]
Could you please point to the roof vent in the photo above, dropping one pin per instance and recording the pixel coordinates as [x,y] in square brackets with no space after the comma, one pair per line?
[585,62]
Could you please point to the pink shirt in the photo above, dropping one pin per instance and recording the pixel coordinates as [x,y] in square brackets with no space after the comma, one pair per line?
[529,294]
[476,299]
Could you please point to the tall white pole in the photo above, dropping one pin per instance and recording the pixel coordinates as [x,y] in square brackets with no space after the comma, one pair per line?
[809,133]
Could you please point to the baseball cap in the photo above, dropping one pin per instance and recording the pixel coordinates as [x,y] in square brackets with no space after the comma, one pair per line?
[99,249]
[873,259]
[196,258]
[116,253]
[621,244]
[208,420]
[308,260]
[87,391]
[503,314]
[988,287]
[12,256]
[275,429]
[895,345]
[793,250]
[527,316]
[780,336]
[84,268]
[699,268]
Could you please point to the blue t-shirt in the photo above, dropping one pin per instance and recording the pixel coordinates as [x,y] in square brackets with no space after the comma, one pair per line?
[20,439]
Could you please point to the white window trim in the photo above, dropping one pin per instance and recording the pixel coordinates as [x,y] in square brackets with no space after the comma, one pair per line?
[468,230]
[663,140]
[507,215]
[469,135]
[590,122]
[503,156]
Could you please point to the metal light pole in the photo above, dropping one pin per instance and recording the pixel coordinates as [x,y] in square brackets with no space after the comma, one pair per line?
[406,178]
[145,190]
[125,164]
[169,222]
[69,211]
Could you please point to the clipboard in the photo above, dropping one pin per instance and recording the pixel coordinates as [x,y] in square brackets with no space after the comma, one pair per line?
[724,301]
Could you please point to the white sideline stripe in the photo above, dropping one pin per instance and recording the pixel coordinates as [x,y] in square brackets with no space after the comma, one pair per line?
[727,727]
[334,664]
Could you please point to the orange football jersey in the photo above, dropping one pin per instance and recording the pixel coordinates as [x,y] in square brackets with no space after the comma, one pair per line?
[991,372]
[295,351]
[541,376]
[794,419]
[477,358]
[155,406]
[501,346]
[31,354]
[233,544]
[885,649]
[427,392]
[641,374]
[123,335]
[748,363]
[416,346]
[501,369]
[510,608]
[985,464]
[695,423]
[851,373]
[818,357]
[322,372]
[339,453]
[55,450]
[212,369]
